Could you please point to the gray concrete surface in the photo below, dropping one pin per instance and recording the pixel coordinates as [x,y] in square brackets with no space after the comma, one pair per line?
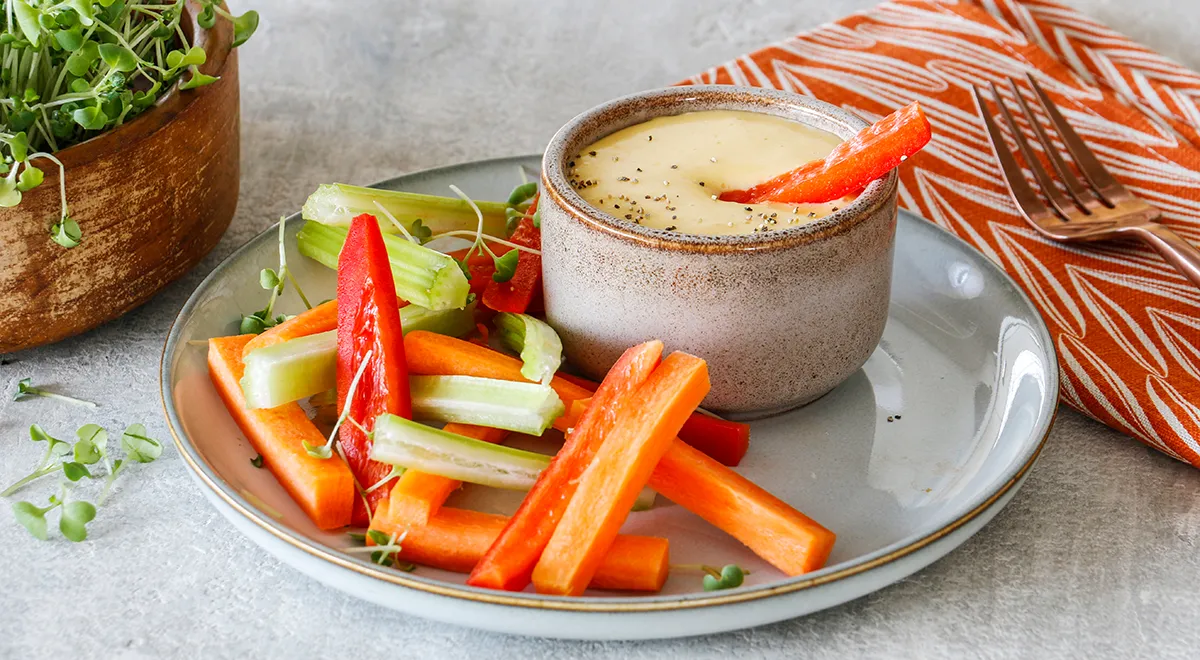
[1096,557]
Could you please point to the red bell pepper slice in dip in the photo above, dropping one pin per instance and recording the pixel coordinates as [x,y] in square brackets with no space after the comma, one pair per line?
[368,318]
[849,167]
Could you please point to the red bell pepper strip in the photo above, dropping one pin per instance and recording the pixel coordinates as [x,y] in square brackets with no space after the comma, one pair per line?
[368,320]
[849,167]
[516,294]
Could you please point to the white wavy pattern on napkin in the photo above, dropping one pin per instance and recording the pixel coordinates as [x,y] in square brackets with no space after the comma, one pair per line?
[1126,325]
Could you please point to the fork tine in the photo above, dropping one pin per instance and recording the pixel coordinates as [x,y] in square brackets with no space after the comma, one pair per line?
[1026,199]
[1104,184]
[1080,193]
[1058,200]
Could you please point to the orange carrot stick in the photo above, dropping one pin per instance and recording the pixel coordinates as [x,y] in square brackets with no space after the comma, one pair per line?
[510,561]
[788,539]
[324,489]
[417,495]
[804,544]
[645,428]
[321,318]
[455,540]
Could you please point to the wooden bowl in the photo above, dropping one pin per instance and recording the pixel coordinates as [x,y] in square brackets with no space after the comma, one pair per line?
[152,197]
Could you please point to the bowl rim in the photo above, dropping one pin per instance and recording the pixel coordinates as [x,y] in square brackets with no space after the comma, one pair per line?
[217,43]
[611,116]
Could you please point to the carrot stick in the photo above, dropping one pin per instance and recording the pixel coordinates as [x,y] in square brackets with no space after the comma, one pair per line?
[455,540]
[430,354]
[788,539]
[645,428]
[324,489]
[417,495]
[321,318]
[722,439]
[510,561]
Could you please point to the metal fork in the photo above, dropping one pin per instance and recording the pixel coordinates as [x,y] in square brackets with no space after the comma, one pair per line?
[1098,209]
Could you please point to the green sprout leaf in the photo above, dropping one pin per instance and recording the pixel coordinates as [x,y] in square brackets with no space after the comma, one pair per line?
[257,461]
[512,217]
[74,518]
[91,445]
[31,517]
[506,266]
[198,79]
[91,118]
[420,232]
[378,538]
[81,61]
[323,452]
[731,576]
[177,59]
[66,233]
[138,446]
[70,40]
[18,144]
[75,471]
[207,18]
[268,279]
[31,177]
[537,218]
[118,57]
[244,27]
[87,16]
[522,193]
[27,19]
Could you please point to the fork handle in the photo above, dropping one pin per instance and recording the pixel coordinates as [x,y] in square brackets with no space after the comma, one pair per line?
[1174,248]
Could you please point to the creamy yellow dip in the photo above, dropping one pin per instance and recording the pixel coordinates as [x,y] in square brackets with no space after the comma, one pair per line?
[667,173]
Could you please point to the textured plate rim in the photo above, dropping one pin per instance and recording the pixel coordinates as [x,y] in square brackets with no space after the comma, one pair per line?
[206,475]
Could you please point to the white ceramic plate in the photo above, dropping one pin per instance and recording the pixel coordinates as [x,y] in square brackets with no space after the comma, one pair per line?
[904,461]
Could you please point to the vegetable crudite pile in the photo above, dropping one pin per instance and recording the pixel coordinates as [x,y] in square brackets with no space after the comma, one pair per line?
[103,102]
[429,360]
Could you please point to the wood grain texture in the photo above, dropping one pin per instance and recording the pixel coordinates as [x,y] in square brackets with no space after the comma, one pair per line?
[152,198]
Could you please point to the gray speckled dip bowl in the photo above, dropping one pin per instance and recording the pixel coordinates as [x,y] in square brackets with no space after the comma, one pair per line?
[782,318]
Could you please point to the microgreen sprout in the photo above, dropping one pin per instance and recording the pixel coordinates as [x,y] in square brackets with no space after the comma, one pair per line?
[729,576]
[417,232]
[89,449]
[75,68]
[394,474]
[384,550]
[505,269]
[257,461]
[51,460]
[273,281]
[325,451]
[25,388]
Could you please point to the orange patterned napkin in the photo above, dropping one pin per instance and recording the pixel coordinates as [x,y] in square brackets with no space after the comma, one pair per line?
[1126,325]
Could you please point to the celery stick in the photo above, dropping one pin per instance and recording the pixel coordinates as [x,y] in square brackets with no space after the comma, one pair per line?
[305,366]
[423,276]
[522,407]
[411,445]
[290,370]
[338,203]
[450,322]
[408,444]
[538,344]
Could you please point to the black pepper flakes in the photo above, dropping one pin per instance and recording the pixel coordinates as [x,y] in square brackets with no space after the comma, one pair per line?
[671,228]
[591,153]
[701,184]
[622,178]
[629,216]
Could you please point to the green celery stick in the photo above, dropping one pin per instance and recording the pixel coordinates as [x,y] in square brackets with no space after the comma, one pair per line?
[411,445]
[423,276]
[290,370]
[539,346]
[301,367]
[522,407]
[338,203]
